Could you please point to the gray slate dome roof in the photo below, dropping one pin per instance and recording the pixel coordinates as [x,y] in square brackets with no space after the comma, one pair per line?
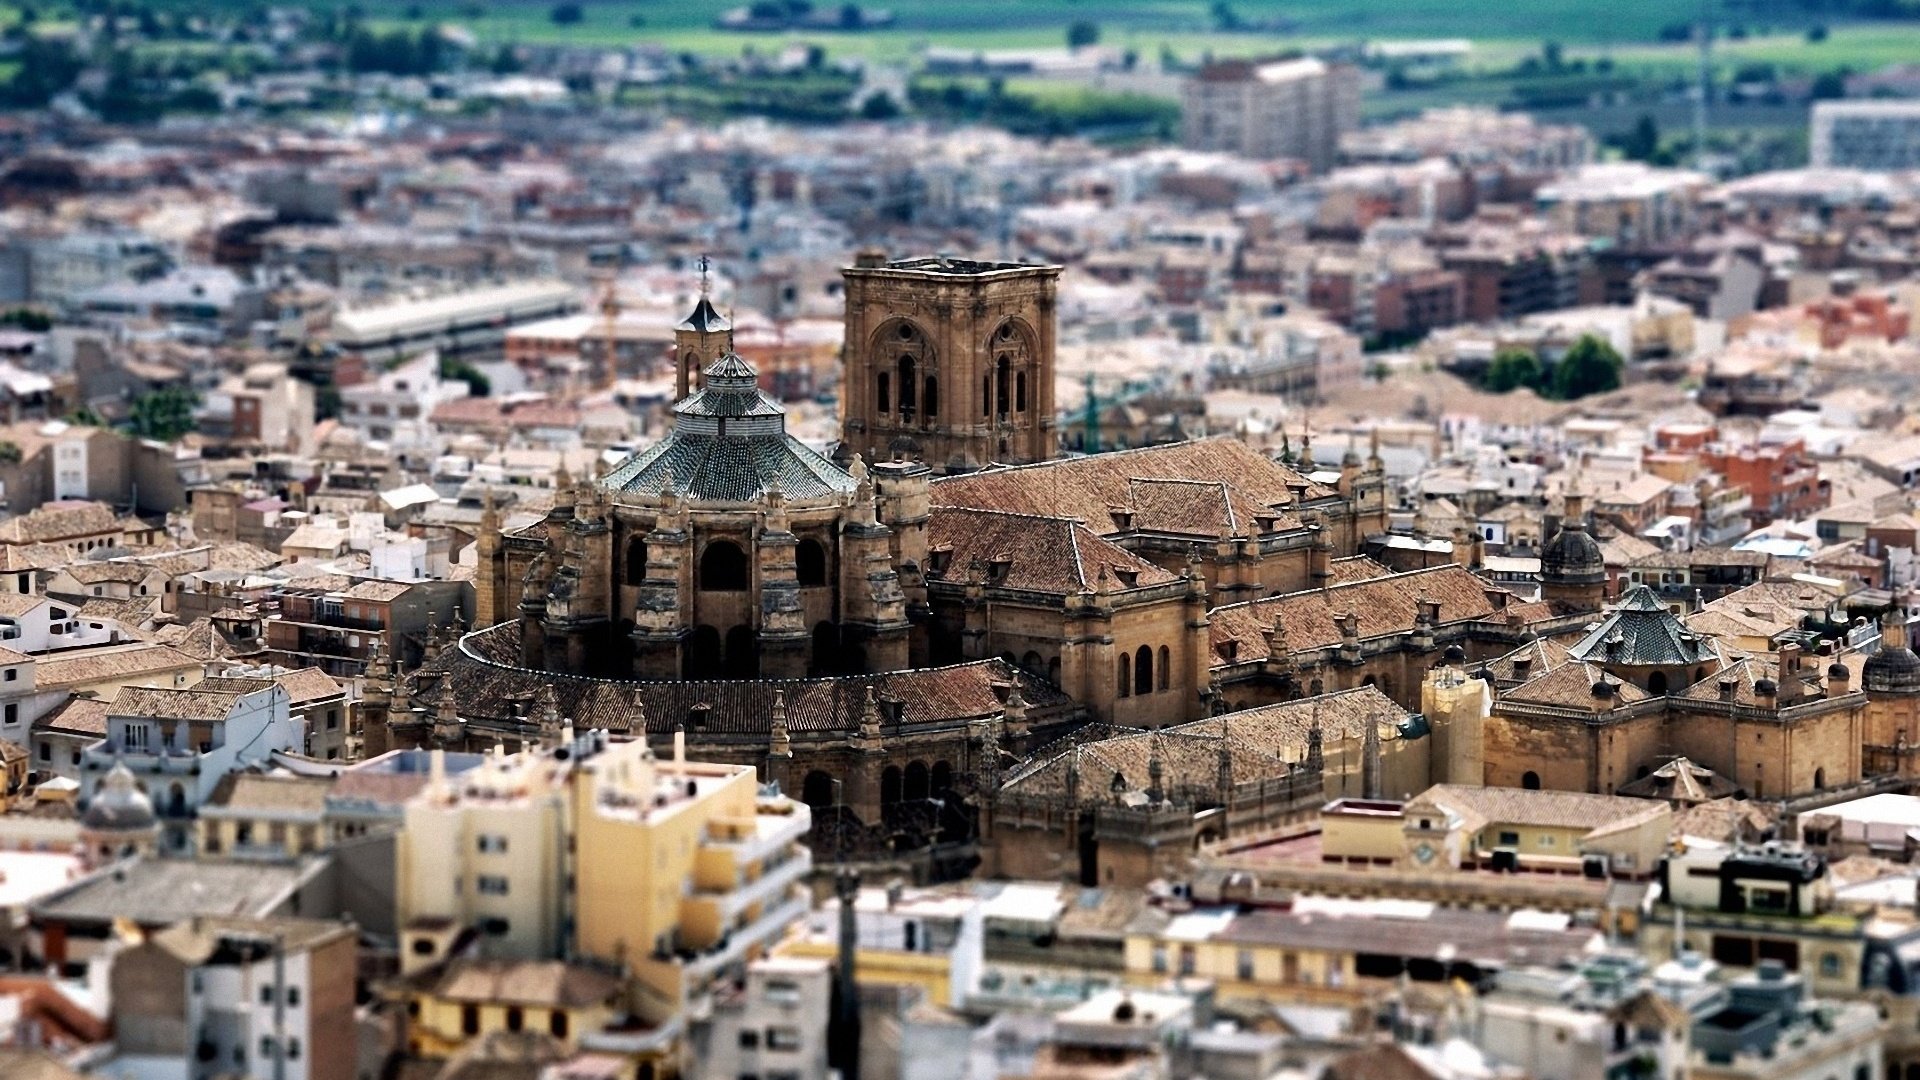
[1891,670]
[1641,632]
[729,444]
[1572,556]
[119,805]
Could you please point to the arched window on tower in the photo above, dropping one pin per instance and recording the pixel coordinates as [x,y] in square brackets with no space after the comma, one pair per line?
[723,567]
[1126,675]
[882,392]
[906,386]
[1164,667]
[636,561]
[930,401]
[1020,392]
[810,563]
[1143,670]
[1003,368]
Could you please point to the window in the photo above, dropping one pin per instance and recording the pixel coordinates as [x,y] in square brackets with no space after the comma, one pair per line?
[46,752]
[293,996]
[333,719]
[491,845]
[1243,965]
[1829,964]
[266,1047]
[557,1023]
[1126,675]
[1188,959]
[293,1049]
[469,1019]
[749,1040]
[516,1018]
[490,885]
[783,1038]
[883,399]
[1160,959]
[13,674]
[1509,839]
[1161,684]
[136,736]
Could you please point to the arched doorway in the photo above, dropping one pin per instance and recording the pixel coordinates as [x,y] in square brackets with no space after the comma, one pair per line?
[1657,683]
[700,656]
[1530,780]
[1819,779]
[723,567]
[810,563]
[742,654]
[817,790]
[917,785]
[826,649]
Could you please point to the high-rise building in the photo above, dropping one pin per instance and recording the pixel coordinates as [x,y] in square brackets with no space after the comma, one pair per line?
[1880,135]
[1271,109]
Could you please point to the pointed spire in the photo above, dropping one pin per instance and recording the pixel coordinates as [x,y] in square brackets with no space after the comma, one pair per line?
[1155,793]
[637,714]
[1374,462]
[779,742]
[549,711]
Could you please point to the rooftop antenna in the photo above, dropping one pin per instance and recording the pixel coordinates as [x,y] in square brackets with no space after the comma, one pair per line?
[1704,32]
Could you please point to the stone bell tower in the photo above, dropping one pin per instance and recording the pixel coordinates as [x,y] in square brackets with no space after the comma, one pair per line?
[699,340]
[949,362]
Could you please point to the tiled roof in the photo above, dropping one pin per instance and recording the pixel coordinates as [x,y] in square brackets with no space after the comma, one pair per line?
[243,794]
[1539,809]
[50,523]
[114,661]
[79,716]
[1357,568]
[165,703]
[1570,686]
[308,684]
[1098,487]
[1385,606]
[88,572]
[729,444]
[1043,554]
[539,983]
[377,590]
[1642,632]
[1680,780]
[488,684]
[1262,744]
[1542,655]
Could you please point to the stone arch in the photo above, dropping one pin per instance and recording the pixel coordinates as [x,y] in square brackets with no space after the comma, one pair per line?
[742,653]
[1143,670]
[636,562]
[1031,661]
[1015,348]
[817,790]
[826,648]
[1126,675]
[918,783]
[810,562]
[899,350]
[723,567]
[700,654]
[1530,780]
[1819,779]
[1657,683]
[890,785]
[1163,676]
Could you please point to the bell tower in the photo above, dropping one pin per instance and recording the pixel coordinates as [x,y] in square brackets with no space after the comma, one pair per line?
[700,338]
[949,362]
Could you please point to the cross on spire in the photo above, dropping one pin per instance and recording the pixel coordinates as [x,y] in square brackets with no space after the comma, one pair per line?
[706,281]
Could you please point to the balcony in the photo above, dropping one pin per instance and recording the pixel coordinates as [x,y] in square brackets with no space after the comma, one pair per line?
[770,925]
[770,884]
[770,833]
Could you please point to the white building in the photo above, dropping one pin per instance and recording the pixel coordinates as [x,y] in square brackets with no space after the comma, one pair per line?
[1882,136]
[394,408]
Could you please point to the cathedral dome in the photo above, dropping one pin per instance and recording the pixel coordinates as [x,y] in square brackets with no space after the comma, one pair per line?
[119,805]
[729,443]
[1572,556]
[1892,669]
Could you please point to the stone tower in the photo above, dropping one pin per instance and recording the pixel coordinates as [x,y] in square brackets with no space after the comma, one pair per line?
[700,339]
[1573,571]
[949,362]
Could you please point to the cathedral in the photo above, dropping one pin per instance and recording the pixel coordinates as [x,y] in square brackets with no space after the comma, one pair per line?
[954,643]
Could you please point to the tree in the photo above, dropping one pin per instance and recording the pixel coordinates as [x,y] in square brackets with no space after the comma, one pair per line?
[1512,369]
[1643,141]
[477,382]
[1590,367]
[1082,33]
[1829,85]
[879,106]
[1816,34]
[567,13]
[165,414]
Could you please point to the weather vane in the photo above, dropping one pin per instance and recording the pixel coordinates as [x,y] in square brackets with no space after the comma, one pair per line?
[705,281]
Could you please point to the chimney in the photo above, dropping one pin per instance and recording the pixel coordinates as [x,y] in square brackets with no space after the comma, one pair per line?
[1576,509]
[679,744]
[1521,666]
[1893,630]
